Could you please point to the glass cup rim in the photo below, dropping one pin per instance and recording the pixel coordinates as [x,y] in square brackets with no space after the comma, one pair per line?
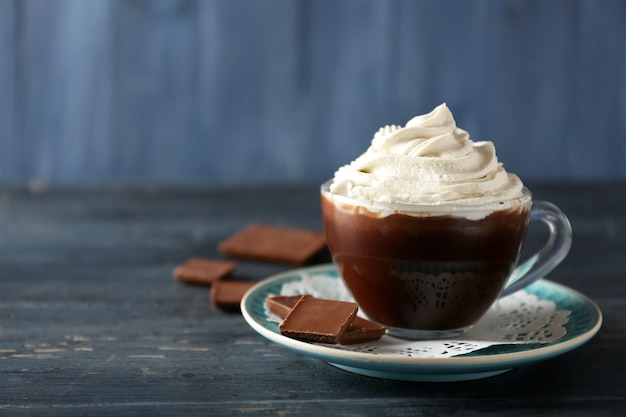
[445,208]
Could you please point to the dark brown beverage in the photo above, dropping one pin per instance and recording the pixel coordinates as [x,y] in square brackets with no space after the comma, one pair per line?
[424,272]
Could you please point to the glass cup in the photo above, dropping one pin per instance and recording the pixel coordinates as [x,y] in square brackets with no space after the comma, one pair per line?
[432,271]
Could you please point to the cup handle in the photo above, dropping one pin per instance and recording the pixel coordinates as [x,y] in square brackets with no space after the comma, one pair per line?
[552,253]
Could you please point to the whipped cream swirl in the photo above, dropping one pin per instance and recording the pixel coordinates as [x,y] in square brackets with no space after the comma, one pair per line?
[430,161]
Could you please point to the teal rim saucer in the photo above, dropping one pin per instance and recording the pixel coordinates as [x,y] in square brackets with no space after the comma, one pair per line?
[584,322]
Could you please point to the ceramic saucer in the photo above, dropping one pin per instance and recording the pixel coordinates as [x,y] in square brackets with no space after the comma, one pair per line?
[584,322]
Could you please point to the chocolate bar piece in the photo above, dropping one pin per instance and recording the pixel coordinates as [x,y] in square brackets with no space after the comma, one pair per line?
[281,305]
[202,271]
[227,295]
[360,330]
[273,244]
[318,320]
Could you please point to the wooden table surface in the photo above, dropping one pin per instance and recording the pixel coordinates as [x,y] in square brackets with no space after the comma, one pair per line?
[92,323]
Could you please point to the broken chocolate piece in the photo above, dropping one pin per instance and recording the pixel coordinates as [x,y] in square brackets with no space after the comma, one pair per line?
[227,295]
[317,320]
[273,244]
[362,330]
[281,305]
[202,271]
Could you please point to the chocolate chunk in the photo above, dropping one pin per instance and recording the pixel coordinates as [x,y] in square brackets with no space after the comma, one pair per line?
[273,244]
[317,320]
[203,271]
[281,305]
[360,330]
[227,295]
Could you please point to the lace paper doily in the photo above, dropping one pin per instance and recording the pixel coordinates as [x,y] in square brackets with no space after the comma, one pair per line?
[519,318]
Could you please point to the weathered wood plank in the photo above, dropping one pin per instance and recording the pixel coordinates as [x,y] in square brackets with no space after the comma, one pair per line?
[91,321]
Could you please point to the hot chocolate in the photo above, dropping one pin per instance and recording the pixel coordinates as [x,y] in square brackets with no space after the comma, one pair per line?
[424,272]
[426,228]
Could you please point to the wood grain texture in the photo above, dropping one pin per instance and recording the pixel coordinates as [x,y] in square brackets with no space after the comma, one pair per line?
[230,91]
[91,322]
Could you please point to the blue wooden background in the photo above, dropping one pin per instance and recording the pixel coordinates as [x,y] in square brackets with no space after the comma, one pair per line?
[227,91]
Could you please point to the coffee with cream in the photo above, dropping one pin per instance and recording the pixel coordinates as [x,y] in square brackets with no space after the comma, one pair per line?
[426,226]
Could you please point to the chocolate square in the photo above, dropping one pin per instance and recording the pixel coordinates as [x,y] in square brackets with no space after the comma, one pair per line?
[202,271]
[273,244]
[227,295]
[360,330]
[317,320]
